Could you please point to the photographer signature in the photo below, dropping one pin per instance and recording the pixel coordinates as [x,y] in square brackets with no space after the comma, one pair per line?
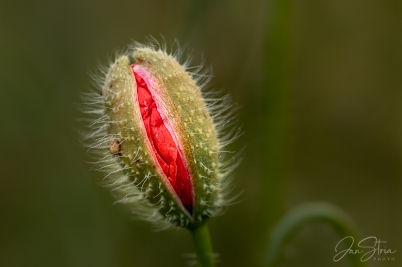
[370,246]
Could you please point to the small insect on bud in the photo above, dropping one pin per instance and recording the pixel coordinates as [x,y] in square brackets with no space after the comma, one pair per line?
[155,135]
[114,147]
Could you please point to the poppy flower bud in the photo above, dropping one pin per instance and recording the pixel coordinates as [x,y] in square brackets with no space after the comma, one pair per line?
[156,138]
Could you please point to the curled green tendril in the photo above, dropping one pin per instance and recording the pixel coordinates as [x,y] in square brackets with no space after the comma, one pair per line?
[308,213]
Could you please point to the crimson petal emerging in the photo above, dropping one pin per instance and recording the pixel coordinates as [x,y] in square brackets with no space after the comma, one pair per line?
[165,148]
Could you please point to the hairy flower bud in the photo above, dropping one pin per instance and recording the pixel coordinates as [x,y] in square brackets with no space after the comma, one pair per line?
[156,138]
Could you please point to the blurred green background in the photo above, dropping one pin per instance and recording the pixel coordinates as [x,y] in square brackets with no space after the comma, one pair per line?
[320,83]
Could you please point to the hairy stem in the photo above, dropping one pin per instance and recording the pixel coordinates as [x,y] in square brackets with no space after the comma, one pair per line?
[307,213]
[202,244]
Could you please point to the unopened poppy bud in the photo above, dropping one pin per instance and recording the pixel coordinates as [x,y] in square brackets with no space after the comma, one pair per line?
[157,140]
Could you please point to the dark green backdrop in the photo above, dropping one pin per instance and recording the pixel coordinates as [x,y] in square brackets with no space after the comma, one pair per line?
[336,125]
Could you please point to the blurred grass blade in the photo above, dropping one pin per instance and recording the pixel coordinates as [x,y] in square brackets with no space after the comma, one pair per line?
[303,215]
[275,113]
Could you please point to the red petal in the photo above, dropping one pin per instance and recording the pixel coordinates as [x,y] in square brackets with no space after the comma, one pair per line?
[166,150]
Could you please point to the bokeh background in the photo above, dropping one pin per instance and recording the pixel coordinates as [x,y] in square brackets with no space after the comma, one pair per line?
[320,84]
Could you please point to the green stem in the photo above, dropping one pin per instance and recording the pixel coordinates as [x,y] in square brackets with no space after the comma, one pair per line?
[307,213]
[203,245]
